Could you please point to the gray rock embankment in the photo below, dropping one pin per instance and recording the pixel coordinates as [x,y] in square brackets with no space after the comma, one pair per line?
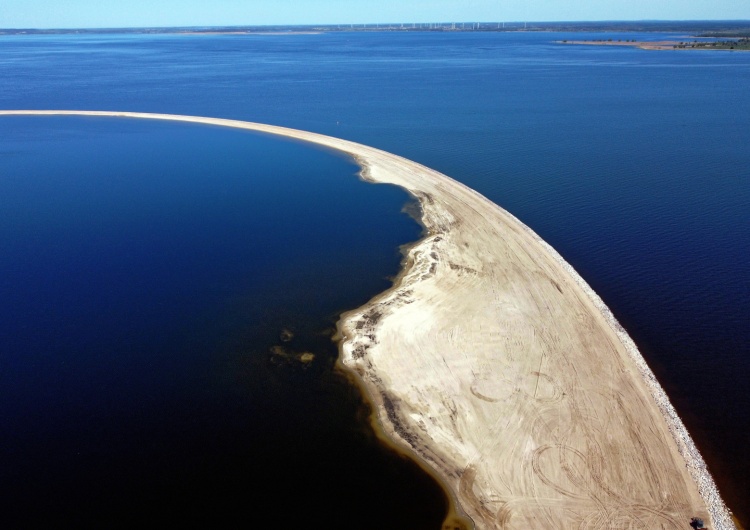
[717,509]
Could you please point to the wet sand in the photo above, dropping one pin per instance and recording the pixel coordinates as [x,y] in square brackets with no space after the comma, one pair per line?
[496,364]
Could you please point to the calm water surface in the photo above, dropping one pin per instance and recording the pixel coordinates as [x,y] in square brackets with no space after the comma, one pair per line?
[633,164]
[160,285]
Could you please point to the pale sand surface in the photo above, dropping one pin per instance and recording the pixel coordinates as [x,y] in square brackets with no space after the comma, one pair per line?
[644,45]
[492,360]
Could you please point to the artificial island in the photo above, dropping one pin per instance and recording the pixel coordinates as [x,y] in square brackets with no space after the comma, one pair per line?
[494,363]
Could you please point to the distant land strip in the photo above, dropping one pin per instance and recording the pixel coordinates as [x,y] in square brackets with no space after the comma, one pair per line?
[700,28]
[492,360]
[736,44]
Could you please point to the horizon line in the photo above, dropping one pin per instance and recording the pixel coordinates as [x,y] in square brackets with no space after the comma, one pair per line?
[374,25]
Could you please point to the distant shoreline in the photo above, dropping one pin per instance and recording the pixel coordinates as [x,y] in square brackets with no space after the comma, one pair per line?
[495,362]
[697,28]
[272,33]
[739,45]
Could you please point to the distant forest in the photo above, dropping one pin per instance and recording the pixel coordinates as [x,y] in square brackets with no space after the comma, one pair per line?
[695,28]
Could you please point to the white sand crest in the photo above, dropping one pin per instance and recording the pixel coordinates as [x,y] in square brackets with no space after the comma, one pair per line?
[494,361]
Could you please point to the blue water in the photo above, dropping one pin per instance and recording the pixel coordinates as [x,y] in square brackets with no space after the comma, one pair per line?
[159,282]
[633,164]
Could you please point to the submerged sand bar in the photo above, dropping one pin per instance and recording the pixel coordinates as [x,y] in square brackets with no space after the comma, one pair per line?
[492,360]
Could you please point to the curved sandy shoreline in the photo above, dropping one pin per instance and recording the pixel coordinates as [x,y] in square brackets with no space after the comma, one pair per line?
[497,364]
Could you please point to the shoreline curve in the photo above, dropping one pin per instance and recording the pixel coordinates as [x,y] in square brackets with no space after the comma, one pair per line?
[495,363]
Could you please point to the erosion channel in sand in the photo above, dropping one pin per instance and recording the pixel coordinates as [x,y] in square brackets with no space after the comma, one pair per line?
[498,366]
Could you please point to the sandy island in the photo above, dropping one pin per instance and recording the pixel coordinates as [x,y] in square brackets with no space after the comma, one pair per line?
[495,363]
[655,45]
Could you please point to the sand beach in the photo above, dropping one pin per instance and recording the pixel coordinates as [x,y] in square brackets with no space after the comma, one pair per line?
[686,44]
[495,363]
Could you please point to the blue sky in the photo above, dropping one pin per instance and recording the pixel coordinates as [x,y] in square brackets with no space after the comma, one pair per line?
[128,13]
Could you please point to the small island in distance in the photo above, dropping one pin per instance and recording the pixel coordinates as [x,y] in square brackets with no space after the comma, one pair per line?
[739,44]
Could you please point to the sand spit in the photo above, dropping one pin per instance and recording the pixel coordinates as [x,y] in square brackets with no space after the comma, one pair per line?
[644,45]
[657,45]
[495,362]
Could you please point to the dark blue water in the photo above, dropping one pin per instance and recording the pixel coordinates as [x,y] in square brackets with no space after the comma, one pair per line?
[633,164]
[159,285]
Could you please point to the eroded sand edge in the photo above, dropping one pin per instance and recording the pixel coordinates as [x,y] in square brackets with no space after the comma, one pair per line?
[498,365]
